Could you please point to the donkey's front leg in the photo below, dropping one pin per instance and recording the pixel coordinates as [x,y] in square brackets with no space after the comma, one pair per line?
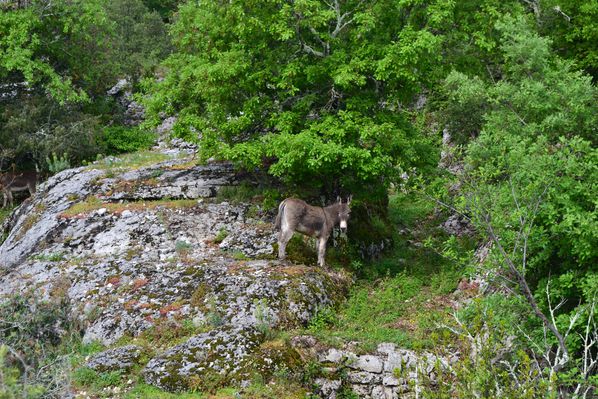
[321,250]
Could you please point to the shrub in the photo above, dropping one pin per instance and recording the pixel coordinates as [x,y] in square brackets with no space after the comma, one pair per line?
[58,163]
[119,139]
[35,335]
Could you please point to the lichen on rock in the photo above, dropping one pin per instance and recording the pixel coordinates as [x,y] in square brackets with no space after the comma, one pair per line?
[121,358]
[133,248]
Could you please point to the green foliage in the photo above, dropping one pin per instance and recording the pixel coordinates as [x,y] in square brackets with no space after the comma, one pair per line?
[530,174]
[32,39]
[573,26]
[222,234]
[86,377]
[57,60]
[35,336]
[150,392]
[319,107]
[263,317]
[5,213]
[369,313]
[58,163]
[495,354]
[236,194]
[324,317]
[10,386]
[140,39]
[74,49]
[35,127]
[119,139]
[535,154]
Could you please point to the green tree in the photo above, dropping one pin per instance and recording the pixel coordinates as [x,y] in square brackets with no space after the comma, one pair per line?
[140,41]
[74,51]
[530,174]
[573,27]
[54,45]
[316,91]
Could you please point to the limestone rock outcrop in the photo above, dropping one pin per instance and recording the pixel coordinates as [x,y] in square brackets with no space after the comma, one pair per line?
[136,242]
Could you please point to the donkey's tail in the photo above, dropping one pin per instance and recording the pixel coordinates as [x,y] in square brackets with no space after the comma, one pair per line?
[279,215]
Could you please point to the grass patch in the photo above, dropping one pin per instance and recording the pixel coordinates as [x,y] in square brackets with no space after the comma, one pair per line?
[277,388]
[404,296]
[414,239]
[5,212]
[51,257]
[144,391]
[94,203]
[88,378]
[133,160]
[222,234]
[369,313]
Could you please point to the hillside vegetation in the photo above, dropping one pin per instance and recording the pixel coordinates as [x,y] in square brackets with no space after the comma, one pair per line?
[466,132]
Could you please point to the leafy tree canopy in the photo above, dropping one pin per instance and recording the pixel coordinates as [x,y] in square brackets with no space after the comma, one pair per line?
[312,89]
[55,45]
[530,168]
[57,60]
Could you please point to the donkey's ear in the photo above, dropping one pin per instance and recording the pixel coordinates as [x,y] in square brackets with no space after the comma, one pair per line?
[338,199]
[349,199]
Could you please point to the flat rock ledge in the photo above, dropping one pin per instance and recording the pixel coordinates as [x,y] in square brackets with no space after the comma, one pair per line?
[388,373]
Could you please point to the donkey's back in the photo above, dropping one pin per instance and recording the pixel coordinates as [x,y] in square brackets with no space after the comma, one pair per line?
[297,215]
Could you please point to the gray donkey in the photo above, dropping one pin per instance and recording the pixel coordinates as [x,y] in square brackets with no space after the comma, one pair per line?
[296,215]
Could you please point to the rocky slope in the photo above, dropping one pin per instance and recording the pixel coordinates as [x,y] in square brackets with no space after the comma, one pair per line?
[136,242]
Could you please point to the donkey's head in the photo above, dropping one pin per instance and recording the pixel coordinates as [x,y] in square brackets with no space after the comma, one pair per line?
[344,212]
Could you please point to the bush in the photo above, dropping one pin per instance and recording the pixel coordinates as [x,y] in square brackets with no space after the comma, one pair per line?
[34,336]
[58,163]
[528,181]
[119,139]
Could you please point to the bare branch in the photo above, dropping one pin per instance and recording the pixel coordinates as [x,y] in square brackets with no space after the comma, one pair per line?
[308,49]
[524,287]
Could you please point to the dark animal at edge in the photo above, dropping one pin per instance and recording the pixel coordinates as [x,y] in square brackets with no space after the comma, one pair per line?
[297,215]
[11,182]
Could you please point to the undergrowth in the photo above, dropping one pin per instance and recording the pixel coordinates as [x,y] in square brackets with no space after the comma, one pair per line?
[403,296]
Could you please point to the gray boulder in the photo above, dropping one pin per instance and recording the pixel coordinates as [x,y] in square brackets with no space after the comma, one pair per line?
[121,358]
[218,356]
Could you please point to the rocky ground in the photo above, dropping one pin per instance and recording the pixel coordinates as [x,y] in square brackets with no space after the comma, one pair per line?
[144,247]
[132,247]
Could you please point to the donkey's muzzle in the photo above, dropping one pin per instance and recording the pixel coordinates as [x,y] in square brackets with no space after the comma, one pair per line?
[343,226]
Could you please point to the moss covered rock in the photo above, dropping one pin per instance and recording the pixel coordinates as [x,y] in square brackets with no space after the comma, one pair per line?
[205,361]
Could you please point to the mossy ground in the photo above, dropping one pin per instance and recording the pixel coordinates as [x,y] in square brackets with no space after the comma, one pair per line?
[95,203]
[134,160]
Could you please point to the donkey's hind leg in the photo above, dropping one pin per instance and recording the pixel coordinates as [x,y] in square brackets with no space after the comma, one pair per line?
[283,239]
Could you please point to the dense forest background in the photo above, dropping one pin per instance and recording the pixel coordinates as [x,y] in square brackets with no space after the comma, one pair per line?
[486,108]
